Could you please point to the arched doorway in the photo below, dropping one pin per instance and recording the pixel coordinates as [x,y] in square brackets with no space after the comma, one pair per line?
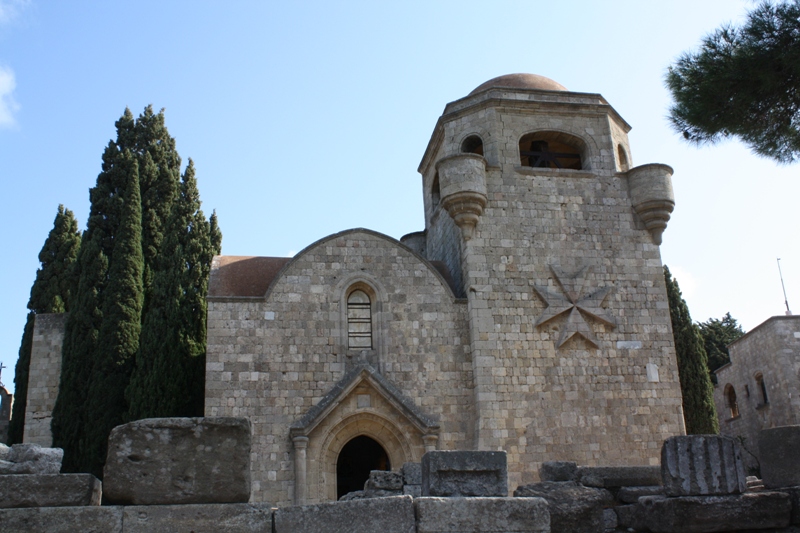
[357,459]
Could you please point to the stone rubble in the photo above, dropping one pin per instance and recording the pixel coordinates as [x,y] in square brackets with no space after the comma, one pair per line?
[31,459]
[619,499]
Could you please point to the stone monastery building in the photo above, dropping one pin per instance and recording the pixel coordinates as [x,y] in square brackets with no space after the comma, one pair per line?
[529,316]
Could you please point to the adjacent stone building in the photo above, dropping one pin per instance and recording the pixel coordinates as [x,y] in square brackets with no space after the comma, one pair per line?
[760,387]
[529,316]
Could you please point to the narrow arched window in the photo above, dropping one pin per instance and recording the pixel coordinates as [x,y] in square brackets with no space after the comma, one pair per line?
[436,193]
[730,400]
[359,320]
[472,145]
[763,388]
[623,158]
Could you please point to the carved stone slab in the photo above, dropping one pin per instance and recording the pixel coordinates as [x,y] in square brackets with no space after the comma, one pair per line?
[700,465]
[464,474]
[482,515]
[50,490]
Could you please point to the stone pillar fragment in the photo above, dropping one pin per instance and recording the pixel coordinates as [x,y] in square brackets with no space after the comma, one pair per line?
[702,465]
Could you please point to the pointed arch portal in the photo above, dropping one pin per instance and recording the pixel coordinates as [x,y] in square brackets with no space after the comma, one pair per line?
[356,460]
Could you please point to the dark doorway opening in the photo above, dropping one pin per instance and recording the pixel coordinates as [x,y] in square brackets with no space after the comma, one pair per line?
[356,460]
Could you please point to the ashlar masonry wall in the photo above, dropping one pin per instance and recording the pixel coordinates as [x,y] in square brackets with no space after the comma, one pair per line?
[43,377]
[543,231]
[771,350]
[273,358]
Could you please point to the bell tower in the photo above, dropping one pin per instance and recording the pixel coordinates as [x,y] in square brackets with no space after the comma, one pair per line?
[553,238]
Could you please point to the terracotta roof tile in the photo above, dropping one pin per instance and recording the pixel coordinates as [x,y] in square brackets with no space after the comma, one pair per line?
[243,276]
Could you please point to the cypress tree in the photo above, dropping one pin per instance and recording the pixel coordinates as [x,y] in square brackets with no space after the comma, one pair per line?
[50,293]
[82,333]
[699,412]
[155,276]
[170,365]
[118,338]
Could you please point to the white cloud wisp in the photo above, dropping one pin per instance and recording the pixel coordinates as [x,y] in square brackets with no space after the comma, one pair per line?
[8,106]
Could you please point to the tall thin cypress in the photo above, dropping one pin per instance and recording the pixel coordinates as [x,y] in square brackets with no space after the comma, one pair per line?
[171,361]
[699,412]
[118,338]
[50,293]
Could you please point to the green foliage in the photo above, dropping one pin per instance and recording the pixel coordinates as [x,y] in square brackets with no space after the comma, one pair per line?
[119,334]
[699,412]
[170,365]
[137,331]
[744,82]
[717,335]
[50,293]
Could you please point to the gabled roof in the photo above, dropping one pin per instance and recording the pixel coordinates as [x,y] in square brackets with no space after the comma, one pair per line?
[340,391]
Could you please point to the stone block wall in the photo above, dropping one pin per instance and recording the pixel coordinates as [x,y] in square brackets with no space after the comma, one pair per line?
[771,349]
[43,380]
[272,359]
[585,402]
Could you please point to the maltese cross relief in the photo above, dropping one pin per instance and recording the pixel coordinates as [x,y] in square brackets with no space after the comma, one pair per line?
[579,303]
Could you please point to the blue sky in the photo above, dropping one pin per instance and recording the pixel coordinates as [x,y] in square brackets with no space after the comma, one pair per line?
[306,118]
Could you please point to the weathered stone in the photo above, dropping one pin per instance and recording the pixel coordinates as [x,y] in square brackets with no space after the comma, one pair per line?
[699,465]
[61,520]
[464,474]
[558,471]
[384,515]
[4,451]
[413,490]
[50,490]
[704,514]
[794,497]
[632,494]
[610,520]
[482,515]
[355,495]
[573,508]
[412,473]
[198,518]
[629,517]
[31,459]
[384,480]
[780,460]
[179,461]
[618,476]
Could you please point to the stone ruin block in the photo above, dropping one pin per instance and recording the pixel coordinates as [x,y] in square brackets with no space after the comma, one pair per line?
[179,461]
[618,476]
[382,480]
[573,508]
[205,518]
[50,490]
[558,471]
[412,479]
[780,456]
[394,514]
[412,474]
[464,473]
[482,515]
[30,459]
[702,465]
[704,514]
[61,520]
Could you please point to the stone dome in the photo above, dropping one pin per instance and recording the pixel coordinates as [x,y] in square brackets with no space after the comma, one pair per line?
[521,81]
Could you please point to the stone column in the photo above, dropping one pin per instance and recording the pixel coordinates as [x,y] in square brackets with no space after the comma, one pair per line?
[430,442]
[300,469]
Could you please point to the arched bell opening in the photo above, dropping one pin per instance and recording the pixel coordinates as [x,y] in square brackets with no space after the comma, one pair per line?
[358,458]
